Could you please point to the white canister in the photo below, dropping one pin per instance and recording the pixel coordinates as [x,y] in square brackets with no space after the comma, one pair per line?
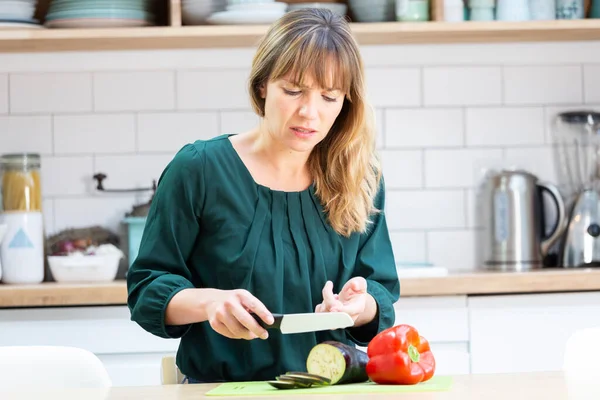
[22,250]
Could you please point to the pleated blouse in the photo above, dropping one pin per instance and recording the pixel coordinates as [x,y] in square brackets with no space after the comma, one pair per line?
[211,225]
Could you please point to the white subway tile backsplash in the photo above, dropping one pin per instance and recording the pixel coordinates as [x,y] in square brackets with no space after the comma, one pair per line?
[80,212]
[161,132]
[94,133]
[132,171]
[50,92]
[380,127]
[389,87]
[48,211]
[133,60]
[457,167]
[466,54]
[26,134]
[454,249]
[473,207]
[67,175]
[591,83]
[454,86]
[415,127]
[238,121]
[538,160]
[213,89]
[505,126]
[429,209]
[442,119]
[409,247]
[402,169]
[543,84]
[139,91]
[3,94]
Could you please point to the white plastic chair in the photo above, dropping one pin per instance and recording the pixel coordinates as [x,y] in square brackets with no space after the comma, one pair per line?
[51,367]
[580,364]
[170,373]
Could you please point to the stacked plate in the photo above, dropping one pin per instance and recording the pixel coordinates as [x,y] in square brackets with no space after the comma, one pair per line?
[18,14]
[100,13]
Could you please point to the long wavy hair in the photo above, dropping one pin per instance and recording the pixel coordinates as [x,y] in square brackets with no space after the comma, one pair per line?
[344,165]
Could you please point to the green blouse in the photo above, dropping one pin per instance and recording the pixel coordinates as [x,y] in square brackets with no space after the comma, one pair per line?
[211,225]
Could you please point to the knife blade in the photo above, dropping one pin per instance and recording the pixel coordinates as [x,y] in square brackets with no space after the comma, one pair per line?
[307,322]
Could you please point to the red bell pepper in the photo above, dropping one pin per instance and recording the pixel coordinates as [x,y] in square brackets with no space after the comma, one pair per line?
[400,356]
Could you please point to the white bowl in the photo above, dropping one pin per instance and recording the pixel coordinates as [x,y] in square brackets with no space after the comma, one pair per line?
[234,2]
[276,6]
[195,12]
[338,8]
[83,268]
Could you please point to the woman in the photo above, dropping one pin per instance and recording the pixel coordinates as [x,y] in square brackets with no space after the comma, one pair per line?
[285,218]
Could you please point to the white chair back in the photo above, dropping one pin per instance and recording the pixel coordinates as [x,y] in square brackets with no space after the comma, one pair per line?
[580,364]
[170,373]
[51,367]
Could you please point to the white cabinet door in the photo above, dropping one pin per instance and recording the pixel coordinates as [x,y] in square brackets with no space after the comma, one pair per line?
[437,318]
[444,322]
[451,358]
[131,355]
[518,333]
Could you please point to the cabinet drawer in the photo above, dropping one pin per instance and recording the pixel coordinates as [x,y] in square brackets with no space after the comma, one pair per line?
[101,330]
[520,333]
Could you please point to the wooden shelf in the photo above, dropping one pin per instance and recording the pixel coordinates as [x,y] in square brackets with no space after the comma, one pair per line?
[187,37]
[52,294]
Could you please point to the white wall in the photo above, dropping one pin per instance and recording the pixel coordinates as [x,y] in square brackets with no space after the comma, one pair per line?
[444,112]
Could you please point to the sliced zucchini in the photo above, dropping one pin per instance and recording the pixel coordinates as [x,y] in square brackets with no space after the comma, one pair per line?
[283,384]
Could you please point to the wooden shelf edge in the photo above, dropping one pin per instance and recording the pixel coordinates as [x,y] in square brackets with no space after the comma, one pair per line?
[467,283]
[386,33]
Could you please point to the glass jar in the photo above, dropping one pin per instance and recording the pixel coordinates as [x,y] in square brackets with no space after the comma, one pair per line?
[22,247]
[21,185]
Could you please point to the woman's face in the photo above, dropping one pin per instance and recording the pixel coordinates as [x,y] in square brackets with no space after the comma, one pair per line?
[298,116]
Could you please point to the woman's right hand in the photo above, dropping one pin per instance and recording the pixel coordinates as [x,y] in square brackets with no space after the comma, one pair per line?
[229,315]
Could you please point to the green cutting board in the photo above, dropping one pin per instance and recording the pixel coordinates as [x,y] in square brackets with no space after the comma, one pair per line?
[435,384]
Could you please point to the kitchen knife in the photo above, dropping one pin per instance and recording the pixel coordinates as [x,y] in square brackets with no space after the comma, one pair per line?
[307,322]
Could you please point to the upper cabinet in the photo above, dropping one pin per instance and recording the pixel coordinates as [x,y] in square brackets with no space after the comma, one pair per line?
[169,31]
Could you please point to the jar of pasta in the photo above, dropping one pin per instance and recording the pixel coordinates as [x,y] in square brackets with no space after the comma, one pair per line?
[22,248]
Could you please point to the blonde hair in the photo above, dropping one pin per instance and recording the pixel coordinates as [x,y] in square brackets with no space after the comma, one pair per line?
[344,165]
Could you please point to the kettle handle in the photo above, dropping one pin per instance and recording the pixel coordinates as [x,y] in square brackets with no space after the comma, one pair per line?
[559,227]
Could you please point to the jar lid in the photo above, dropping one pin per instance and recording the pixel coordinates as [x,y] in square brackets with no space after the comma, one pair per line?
[20,159]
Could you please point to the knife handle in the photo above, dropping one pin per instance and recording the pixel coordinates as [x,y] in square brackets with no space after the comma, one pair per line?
[276,323]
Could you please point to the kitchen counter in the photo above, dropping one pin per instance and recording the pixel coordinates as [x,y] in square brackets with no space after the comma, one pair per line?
[538,385]
[455,283]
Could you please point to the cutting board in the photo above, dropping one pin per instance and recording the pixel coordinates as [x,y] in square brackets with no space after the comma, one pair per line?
[435,384]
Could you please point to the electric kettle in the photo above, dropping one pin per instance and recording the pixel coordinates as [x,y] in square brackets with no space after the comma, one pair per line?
[513,220]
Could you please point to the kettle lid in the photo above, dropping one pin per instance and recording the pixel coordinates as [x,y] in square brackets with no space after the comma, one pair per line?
[509,172]
[580,116]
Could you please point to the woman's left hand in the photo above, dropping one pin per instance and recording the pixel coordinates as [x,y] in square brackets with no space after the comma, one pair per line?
[352,299]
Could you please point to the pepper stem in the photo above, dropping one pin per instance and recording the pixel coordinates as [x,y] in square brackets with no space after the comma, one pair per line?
[413,353]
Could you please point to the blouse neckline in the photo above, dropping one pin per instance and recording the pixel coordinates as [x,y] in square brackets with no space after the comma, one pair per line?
[249,175]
